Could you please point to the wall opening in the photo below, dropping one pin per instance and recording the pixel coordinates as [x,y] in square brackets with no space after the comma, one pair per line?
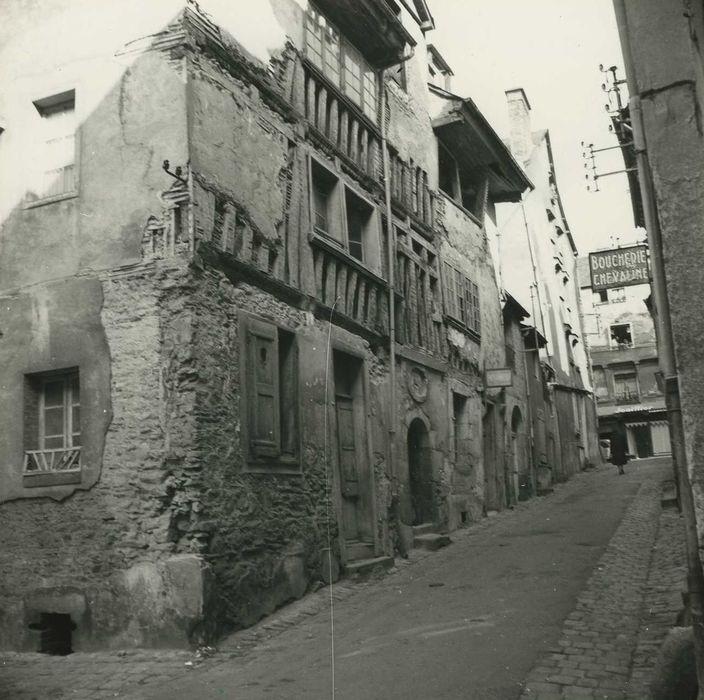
[420,473]
[56,633]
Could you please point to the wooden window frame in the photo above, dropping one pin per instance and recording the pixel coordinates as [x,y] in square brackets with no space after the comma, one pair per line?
[52,465]
[338,214]
[462,299]
[269,456]
[336,68]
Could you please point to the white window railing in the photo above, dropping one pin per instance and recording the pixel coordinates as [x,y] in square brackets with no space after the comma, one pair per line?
[67,459]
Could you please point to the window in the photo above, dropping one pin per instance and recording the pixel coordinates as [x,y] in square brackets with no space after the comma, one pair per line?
[626,387]
[621,336]
[449,180]
[270,372]
[341,62]
[58,145]
[340,214]
[617,294]
[397,73]
[359,221]
[459,184]
[323,188]
[462,298]
[603,296]
[52,426]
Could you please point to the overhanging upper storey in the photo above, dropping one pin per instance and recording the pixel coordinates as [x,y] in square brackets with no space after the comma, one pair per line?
[372,26]
[464,132]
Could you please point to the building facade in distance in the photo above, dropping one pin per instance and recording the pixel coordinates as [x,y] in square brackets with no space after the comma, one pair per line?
[620,335]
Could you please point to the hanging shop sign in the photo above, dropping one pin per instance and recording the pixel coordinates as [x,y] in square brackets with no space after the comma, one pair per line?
[621,267]
[499,378]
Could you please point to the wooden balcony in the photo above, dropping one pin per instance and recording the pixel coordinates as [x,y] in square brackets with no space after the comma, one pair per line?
[342,124]
[345,285]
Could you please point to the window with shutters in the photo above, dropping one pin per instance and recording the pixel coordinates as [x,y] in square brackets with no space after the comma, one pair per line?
[461,298]
[270,373]
[341,62]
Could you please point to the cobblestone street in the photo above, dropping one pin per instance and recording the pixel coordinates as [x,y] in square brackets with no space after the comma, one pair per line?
[623,595]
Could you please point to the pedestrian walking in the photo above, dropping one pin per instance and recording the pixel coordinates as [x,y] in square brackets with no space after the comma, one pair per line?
[619,449]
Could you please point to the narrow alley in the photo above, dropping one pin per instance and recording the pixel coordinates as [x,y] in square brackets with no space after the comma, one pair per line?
[546,601]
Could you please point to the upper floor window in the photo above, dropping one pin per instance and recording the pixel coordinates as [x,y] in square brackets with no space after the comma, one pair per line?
[341,62]
[57,144]
[462,298]
[340,214]
[625,386]
[463,187]
[621,335]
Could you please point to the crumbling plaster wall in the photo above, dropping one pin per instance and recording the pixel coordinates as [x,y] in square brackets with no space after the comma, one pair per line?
[139,121]
[109,556]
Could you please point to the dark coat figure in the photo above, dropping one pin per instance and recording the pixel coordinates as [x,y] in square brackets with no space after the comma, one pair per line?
[619,449]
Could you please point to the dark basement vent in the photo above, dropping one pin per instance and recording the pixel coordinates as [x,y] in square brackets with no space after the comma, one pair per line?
[56,630]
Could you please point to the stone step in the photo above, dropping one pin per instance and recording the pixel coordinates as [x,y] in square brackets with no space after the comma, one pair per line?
[431,541]
[424,528]
[359,550]
[364,567]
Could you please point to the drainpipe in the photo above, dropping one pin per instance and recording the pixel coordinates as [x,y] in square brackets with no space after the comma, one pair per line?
[666,350]
[391,255]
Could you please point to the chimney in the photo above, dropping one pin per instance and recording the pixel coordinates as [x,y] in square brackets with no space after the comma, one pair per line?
[519,124]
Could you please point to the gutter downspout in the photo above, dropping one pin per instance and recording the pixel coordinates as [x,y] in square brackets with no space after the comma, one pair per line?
[391,254]
[666,351]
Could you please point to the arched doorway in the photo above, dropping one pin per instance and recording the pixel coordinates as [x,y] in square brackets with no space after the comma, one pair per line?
[420,473]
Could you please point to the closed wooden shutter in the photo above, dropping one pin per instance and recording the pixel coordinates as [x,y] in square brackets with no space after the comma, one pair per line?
[263,373]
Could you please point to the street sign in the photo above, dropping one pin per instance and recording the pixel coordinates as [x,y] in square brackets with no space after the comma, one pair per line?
[499,377]
[621,267]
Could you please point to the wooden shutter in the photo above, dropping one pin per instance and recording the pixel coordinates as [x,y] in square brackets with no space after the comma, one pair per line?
[263,374]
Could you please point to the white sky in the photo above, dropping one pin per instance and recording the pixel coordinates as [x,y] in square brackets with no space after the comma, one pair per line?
[552,49]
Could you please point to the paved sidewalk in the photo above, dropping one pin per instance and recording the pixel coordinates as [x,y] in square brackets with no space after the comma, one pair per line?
[610,641]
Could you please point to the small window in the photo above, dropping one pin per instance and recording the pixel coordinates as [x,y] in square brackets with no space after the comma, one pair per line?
[603,296]
[626,387]
[52,428]
[449,180]
[397,73]
[341,62]
[57,139]
[618,294]
[323,205]
[621,335]
[360,216]
[462,299]
[271,374]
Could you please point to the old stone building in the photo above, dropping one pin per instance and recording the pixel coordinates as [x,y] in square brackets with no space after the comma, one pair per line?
[537,257]
[621,339]
[247,307]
